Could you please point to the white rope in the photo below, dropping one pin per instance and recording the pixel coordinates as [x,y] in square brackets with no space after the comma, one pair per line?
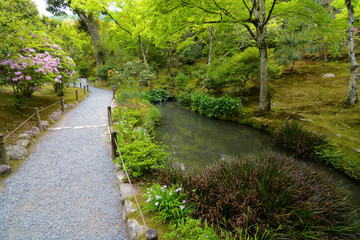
[127,175]
[19,126]
[49,106]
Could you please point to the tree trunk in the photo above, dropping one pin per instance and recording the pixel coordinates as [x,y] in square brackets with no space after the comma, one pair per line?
[352,96]
[143,51]
[264,101]
[325,55]
[211,42]
[94,33]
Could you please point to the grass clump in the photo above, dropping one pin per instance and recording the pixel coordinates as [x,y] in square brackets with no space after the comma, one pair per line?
[267,195]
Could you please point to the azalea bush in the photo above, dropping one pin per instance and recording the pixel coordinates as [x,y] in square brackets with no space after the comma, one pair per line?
[40,62]
[169,202]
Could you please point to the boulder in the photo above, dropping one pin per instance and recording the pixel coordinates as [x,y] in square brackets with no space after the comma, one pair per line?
[23,143]
[35,130]
[127,208]
[29,132]
[125,191]
[134,229]
[328,75]
[5,170]
[16,152]
[45,124]
[24,136]
[339,135]
[357,150]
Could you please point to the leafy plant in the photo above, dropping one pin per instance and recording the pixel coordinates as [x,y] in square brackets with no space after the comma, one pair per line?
[215,107]
[156,96]
[191,229]
[168,202]
[268,195]
[294,137]
[142,156]
[181,80]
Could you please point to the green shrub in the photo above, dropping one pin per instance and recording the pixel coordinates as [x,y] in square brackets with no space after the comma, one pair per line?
[181,80]
[215,107]
[184,97]
[191,229]
[294,137]
[169,203]
[190,54]
[142,156]
[156,96]
[269,194]
[124,95]
[152,118]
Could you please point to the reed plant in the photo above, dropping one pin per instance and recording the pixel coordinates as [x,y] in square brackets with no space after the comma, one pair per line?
[267,196]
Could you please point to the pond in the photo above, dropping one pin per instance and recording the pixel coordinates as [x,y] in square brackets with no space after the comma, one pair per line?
[198,141]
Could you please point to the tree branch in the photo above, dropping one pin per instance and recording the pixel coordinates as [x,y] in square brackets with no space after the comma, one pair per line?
[250,31]
[117,23]
[270,12]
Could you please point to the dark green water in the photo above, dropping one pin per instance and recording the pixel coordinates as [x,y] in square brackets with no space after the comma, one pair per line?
[197,141]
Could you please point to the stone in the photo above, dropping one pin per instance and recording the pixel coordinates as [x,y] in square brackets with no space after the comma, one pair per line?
[16,152]
[24,136]
[127,208]
[23,143]
[357,150]
[125,191]
[121,176]
[134,229]
[31,133]
[45,124]
[35,130]
[328,75]
[305,120]
[339,135]
[5,170]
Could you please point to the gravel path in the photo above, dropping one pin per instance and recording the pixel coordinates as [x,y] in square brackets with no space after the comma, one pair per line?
[66,189]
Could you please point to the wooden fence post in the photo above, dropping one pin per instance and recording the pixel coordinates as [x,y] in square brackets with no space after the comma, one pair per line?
[151,234]
[62,104]
[4,159]
[114,92]
[77,95]
[113,143]
[38,119]
[109,116]
[87,87]
[80,85]
[84,90]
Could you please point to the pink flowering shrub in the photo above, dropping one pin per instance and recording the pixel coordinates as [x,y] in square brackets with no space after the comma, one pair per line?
[40,62]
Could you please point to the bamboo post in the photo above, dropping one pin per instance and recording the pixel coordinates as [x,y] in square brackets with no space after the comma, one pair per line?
[77,95]
[62,104]
[38,119]
[84,90]
[4,159]
[151,234]
[113,143]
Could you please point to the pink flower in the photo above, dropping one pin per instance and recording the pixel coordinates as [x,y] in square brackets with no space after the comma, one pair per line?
[28,78]
[18,73]
[32,50]
[59,76]
[355,29]
[45,84]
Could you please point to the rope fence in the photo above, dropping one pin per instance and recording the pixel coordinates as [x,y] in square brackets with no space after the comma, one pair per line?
[19,126]
[42,109]
[151,234]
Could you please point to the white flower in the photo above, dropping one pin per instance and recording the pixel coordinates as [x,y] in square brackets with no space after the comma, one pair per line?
[164,187]
[178,189]
[163,190]
[149,199]
[184,201]
[182,207]
[157,203]
[158,197]
[170,193]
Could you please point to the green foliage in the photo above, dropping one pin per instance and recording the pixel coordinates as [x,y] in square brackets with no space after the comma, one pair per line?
[124,95]
[294,137]
[181,80]
[151,119]
[168,202]
[142,156]
[190,229]
[103,71]
[190,54]
[156,96]
[268,196]
[215,107]
[184,97]
[84,69]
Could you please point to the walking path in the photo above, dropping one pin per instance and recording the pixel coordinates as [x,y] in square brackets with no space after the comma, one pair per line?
[66,188]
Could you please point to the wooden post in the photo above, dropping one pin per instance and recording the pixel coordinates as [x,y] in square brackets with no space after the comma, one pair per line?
[109,116]
[94,83]
[87,87]
[80,85]
[84,90]
[113,143]
[151,234]
[77,95]
[4,159]
[38,120]
[62,104]
[114,92]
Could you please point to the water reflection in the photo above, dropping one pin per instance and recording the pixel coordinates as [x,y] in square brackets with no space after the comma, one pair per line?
[197,140]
